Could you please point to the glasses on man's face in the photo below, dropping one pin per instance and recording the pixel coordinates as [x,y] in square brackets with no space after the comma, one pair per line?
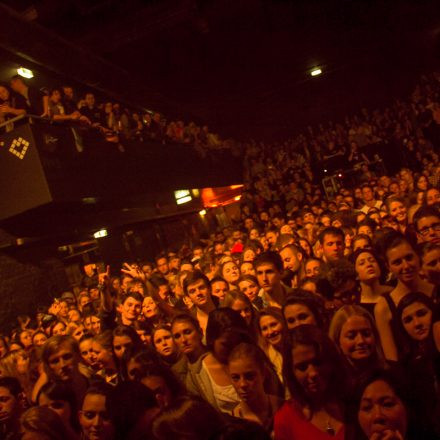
[425,231]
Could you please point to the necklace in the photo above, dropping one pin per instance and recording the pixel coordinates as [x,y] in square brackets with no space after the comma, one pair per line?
[329,429]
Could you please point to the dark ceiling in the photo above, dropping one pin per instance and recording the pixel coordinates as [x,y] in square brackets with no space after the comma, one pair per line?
[242,66]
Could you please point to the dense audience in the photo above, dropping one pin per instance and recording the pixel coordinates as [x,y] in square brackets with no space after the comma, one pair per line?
[313,316]
[110,120]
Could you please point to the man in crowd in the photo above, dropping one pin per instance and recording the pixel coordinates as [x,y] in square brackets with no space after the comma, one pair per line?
[427,223]
[269,267]
[196,287]
[369,199]
[37,102]
[332,241]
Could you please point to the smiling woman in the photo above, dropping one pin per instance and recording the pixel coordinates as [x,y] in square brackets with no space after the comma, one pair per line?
[404,263]
[354,332]
[273,332]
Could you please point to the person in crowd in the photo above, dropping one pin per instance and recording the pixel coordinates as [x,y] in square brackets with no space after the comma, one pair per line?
[354,332]
[220,287]
[302,308]
[332,241]
[314,374]
[196,287]
[249,370]
[430,255]
[404,263]
[369,274]
[240,303]
[11,407]
[165,346]
[42,422]
[230,273]
[369,199]
[61,399]
[160,380]
[188,416]
[94,418]
[269,267]
[132,407]
[17,364]
[381,410]
[427,224]
[292,257]
[61,357]
[248,284]
[106,360]
[10,106]
[273,334]
[420,354]
[37,103]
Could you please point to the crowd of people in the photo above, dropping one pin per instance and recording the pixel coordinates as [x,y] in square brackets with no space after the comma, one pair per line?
[110,120]
[308,317]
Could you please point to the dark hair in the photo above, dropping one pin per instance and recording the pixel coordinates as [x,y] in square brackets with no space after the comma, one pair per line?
[225,320]
[410,348]
[326,351]
[124,330]
[358,237]
[159,369]
[131,294]
[392,240]
[424,248]
[217,278]
[398,385]
[185,317]
[269,257]
[192,278]
[12,384]
[65,393]
[330,230]
[425,211]
[248,277]
[305,298]
[127,403]
[188,417]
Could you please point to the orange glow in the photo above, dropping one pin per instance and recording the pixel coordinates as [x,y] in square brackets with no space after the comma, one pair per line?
[222,196]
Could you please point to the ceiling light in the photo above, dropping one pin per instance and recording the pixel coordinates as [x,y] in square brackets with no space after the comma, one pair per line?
[202,212]
[101,233]
[316,72]
[25,73]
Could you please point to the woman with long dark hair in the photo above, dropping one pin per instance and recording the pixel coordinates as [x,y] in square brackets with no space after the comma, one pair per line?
[404,263]
[314,374]
[369,274]
[419,354]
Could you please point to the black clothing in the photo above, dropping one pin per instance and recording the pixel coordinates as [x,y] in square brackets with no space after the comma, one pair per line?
[94,114]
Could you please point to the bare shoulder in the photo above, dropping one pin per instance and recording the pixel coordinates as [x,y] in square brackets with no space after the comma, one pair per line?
[382,309]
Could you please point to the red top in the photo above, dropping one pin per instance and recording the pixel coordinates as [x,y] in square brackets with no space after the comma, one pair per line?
[290,424]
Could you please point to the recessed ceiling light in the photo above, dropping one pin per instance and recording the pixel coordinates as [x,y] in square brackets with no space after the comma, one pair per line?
[316,72]
[25,73]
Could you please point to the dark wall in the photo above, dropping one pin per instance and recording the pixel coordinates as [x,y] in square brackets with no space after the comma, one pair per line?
[28,278]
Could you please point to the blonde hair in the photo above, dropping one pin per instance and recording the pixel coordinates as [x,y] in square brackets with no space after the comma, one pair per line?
[52,345]
[8,363]
[343,315]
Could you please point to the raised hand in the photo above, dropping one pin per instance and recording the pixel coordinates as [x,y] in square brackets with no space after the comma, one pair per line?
[104,277]
[134,271]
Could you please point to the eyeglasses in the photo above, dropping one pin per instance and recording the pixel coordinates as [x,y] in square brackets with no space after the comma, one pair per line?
[425,231]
